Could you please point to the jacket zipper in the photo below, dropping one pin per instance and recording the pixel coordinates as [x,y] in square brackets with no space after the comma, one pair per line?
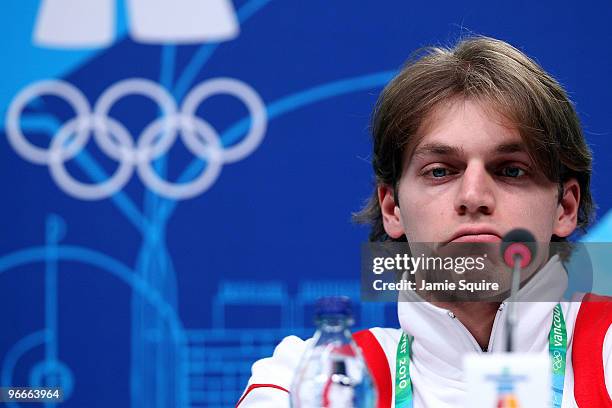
[498,315]
[471,337]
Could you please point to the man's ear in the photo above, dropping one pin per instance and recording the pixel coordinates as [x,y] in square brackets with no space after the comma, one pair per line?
[567,210]
[390,212]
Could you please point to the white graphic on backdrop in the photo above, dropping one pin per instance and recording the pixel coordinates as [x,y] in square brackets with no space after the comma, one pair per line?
[163,21]
[75,23]
[91,23]
[156,139]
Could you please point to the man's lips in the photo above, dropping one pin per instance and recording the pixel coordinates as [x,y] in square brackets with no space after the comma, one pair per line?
[476,233]
[477,238]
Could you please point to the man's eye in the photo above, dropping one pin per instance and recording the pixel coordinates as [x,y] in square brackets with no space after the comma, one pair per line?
[512,171]
[439,172]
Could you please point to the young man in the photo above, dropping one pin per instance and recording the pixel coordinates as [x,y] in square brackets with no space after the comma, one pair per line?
[470,143]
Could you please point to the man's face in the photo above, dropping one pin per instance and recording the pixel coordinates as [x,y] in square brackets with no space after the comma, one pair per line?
[470,178]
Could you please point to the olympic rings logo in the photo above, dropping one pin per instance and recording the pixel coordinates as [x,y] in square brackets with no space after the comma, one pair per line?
[557,360]
[156,139]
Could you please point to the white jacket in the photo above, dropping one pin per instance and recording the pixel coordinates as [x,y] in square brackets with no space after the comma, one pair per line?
[440,342]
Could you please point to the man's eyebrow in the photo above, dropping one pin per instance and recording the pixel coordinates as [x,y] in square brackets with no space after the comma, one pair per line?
[447,150]
[438,149]
[511,148]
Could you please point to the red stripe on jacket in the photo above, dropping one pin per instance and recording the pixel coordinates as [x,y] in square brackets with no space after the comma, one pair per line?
[254,386]
[376,360]
[594,319]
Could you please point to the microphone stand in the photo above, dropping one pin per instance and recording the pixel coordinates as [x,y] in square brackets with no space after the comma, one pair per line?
[511,317]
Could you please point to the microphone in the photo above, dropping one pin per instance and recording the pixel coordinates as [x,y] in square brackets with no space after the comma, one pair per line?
[531,370]
[518,248]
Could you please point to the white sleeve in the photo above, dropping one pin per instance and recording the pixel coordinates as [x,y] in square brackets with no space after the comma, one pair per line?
[271,377]
[607,360]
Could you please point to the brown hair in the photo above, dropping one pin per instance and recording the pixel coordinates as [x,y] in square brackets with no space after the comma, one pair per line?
[514,85]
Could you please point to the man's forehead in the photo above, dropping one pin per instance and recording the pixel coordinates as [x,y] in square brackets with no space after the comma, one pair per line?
[452,125]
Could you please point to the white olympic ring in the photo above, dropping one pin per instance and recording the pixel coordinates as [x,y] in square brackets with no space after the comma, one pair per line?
[52,87]
[91,191]
[133,86]
[155,140]
[212,153]
[241,91]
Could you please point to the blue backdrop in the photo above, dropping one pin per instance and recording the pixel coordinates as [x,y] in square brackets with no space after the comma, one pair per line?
[139,293]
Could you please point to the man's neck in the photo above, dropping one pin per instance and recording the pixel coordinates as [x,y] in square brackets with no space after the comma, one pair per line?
[477,317]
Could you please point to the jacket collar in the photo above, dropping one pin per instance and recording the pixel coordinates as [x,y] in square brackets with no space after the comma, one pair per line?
[441,340]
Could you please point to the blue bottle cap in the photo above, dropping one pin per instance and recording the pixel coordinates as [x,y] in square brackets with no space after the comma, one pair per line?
[333,305]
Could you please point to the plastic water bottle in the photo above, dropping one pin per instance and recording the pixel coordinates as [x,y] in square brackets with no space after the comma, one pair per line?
[332,372]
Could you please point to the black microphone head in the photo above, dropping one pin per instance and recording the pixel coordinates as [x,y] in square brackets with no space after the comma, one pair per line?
[518,241]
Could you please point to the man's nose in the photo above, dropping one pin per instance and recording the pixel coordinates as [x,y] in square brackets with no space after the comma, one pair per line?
[476,191]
